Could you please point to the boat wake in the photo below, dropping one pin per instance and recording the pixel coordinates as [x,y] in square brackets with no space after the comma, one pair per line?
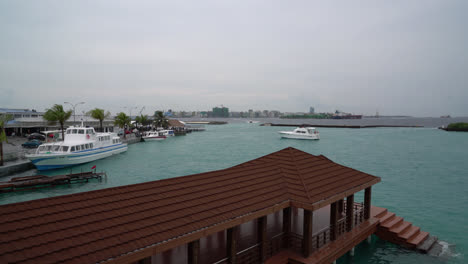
[444,250]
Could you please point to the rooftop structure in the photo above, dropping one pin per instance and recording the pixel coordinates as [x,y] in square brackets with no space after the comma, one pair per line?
[287,200]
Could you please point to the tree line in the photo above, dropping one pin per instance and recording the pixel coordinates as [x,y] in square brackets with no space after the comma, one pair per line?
[57,114]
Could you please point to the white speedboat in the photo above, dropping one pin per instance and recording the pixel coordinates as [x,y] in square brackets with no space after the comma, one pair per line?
[154,136]
[81,145]
[301,133]
[252,122]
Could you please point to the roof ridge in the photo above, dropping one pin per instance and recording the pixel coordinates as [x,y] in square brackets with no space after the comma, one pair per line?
[285,183]
[298,172]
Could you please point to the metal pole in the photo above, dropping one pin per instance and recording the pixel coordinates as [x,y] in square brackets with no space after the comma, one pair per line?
[74,106]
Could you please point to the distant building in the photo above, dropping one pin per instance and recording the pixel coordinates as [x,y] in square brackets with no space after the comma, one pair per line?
[27,121]
[311,110]
[220,111]
[169,113]
[251,113]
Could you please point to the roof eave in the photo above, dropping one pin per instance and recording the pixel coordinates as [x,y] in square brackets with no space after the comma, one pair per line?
[187,238]
[334,198]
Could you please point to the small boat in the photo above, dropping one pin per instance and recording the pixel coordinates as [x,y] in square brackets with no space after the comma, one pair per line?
[301,133]
[81,145]
[167,132]
[154,136]
[252,122]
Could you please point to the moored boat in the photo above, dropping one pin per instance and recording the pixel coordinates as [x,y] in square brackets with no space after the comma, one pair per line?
[301,133]
[81,145]
[154,136]
[167,132]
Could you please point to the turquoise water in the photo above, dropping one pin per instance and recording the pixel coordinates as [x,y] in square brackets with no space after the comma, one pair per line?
[423,173]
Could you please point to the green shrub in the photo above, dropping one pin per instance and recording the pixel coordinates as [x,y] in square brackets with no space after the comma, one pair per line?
[458,126]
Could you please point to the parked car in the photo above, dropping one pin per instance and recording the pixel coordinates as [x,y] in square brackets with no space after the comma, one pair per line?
[34,143]
[37,136]
[121,132]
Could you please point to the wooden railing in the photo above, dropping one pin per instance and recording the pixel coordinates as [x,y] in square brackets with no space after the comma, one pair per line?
[323,237]
[276,243]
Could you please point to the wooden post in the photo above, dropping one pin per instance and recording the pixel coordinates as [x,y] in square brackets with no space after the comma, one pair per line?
[262,238]
[193,252]
[340,208]
[333,221]
[307,233]
[349,212]
[286,225]
[231,244]
[367,203]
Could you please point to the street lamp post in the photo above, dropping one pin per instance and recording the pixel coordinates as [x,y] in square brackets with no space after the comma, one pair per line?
[74,106]
[130,110]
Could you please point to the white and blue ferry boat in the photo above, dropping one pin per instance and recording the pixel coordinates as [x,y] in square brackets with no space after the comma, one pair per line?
[81,145]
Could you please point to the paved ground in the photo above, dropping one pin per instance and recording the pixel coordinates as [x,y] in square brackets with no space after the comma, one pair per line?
[12,151]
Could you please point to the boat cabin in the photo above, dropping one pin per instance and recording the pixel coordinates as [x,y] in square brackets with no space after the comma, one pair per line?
[305,130]
[79,139]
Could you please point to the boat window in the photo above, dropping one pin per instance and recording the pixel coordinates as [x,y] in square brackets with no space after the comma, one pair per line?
[41,148]
[65,148]
[48,148]
[74,131]
[78,148]
[83,147]
[91,145]
[72,149]
[87,146]
[81,131]
[56,148]
[69,131]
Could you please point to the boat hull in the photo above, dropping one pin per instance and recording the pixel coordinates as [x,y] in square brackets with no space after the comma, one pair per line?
[158,138]
[56,161]
[295,136]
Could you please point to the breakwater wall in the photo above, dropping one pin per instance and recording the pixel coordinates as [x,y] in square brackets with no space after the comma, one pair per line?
[334,126]
[16,168]
[131,139]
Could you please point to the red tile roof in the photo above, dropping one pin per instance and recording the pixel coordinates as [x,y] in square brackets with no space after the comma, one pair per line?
[175,123]
[112,223]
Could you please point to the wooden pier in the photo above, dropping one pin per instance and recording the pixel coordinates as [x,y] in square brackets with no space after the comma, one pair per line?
[43,181]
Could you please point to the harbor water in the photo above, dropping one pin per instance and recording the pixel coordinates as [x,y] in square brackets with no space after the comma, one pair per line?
[424,174]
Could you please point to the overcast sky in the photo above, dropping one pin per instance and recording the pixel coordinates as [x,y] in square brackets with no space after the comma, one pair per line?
[395,57]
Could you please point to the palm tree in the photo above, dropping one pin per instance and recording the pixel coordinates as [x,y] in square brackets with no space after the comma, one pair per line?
[160,120]
[100,115]
[142,120]
[121,120]
[57,114]
[3,121]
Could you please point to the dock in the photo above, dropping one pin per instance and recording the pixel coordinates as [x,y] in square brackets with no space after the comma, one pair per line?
[43,181]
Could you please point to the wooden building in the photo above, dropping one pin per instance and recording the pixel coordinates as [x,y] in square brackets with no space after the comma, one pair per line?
[285,207]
